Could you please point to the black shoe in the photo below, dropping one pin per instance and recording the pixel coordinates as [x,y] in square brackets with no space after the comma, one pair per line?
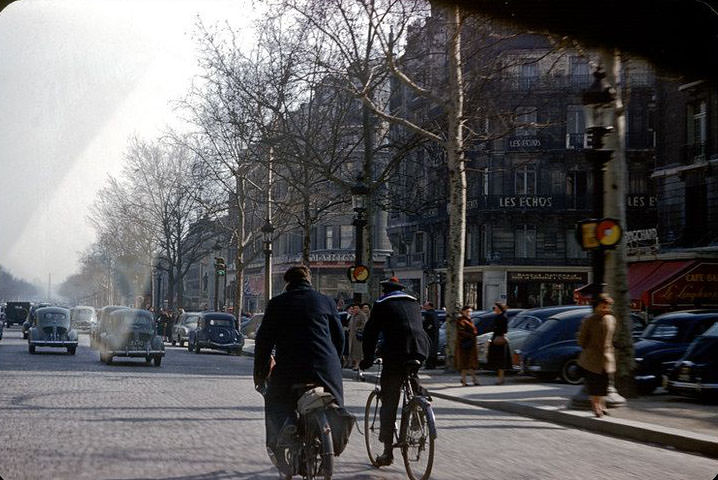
[384,460]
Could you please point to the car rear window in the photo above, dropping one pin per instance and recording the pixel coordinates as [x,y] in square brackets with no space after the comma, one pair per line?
[54,316]
[220,322]
[666,332]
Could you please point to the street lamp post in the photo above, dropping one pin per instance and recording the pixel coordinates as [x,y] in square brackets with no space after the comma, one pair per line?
[599,112]
[359,192]
[158,288]
[268,234]
[219,270]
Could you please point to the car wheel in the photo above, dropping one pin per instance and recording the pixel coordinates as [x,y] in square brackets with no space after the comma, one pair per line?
[173,342]
[158,361]
[571,372]
[148,360]
[196,347]
[31,348]
[71,350]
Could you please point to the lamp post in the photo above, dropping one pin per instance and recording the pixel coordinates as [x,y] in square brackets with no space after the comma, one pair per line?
[268,234]
[158,288]
[599,113]
[360,192]
[218,265]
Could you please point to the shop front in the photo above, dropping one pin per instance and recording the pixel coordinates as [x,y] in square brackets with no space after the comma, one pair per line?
[542,289]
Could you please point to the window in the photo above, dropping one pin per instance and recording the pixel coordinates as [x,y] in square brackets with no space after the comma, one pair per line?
[576,190]
[529,75]
[329,237]
[346,236]
[525,242]
[575,127]
[573,249]
[419,242]
[578,72]
[525,180]
[469,245]
[526,122]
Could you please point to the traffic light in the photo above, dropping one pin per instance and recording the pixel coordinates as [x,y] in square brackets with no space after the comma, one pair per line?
[219,266]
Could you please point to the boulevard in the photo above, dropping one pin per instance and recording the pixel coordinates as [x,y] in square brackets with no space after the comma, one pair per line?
[197,417]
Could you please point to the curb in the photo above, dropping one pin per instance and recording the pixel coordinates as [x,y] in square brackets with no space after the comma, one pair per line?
[626,429]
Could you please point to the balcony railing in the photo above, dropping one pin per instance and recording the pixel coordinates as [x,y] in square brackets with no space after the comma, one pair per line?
[574,82]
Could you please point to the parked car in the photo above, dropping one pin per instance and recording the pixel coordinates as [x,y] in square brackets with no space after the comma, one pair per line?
[441,316]
[250,328]
[16,312]
[96,329]
[82,318]
[2,323]
[519,328]
[665,340]
[696,373]
[181,328]
[30,318]
[130,332]
[552,349]
[216,330]
[484,319]
[51,328]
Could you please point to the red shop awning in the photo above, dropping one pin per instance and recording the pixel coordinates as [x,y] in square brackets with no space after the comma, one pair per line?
[645,277]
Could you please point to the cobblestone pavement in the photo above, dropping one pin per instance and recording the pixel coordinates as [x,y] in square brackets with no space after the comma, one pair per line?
[197,417]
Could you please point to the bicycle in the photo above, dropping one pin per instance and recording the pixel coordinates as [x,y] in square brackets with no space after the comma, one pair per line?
[417,428]
[305,443]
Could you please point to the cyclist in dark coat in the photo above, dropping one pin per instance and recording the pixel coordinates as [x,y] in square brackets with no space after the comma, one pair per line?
[304,329]
[396,315]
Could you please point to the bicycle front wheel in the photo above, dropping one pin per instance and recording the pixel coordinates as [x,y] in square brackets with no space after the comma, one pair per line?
[418,446]
[372,423]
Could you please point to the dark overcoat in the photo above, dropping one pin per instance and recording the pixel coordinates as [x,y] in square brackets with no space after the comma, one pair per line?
[303,327]
[397,315]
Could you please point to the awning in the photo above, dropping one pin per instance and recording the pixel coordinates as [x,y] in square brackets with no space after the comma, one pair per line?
[644,277]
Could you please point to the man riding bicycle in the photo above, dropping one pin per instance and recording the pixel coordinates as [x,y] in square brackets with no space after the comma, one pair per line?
[303,328]
[397,316]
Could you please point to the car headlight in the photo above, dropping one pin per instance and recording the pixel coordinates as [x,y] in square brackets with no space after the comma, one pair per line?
[638,359]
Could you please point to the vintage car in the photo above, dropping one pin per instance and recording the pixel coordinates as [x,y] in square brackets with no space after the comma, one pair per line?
[82,318]
[2,323]
[665,340]
[16,312]
[184,324]
[129,332]
[30,318]
[98,327]
[51,328]
[216,330]
[696,373]
[249,329]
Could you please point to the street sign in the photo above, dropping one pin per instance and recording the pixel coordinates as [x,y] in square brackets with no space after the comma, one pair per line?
[360,273]
[361,288]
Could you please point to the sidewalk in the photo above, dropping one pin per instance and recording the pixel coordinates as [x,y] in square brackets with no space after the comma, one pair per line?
[661,418]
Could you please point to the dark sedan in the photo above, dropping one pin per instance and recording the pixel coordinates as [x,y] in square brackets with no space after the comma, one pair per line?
[696,374]
[51,328]
[129,332]
[666,340]
[216,330]
[184,324]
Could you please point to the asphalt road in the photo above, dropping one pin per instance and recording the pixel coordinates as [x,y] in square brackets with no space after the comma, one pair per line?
[197,417]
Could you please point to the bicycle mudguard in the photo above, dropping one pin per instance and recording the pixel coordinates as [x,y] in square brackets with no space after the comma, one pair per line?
[424,404]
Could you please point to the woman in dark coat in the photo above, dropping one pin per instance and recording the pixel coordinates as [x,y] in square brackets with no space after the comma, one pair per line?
[466,358]
[499,359]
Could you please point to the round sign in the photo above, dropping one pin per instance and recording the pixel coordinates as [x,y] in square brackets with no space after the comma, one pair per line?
[608,232]
[360,273]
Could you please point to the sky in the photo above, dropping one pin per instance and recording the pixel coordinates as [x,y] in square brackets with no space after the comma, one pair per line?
[78,78]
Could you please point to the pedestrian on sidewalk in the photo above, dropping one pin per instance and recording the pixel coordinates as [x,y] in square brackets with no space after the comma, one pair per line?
[499,358]
[597,357]
[357,320]
[466,359]
[431,327]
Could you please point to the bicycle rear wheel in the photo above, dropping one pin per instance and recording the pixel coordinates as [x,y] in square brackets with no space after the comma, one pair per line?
[418,446]
[374,447]
[319,451]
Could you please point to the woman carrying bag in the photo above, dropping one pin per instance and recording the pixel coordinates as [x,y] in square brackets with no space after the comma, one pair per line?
[499,359]
[466,358]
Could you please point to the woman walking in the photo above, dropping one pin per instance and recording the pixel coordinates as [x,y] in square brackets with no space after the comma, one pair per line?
[466,358]
[499,359]
[356,330]
[597,357]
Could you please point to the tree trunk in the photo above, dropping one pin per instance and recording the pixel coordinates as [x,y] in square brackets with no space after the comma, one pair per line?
[306,232]
[457,184]
[180,286]
[614,207]
[171,283]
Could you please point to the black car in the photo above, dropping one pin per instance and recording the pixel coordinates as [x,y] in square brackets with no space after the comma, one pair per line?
[51,328]
[216,330]
[99,327]
[129,332]
[696,373]
[16,312]
[552,350]
[30,318]
[664,341]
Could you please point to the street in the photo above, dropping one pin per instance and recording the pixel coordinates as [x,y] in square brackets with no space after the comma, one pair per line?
[197,417]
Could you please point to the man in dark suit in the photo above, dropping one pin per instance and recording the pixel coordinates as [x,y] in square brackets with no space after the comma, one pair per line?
[303,328]
[397,316]
[431,327]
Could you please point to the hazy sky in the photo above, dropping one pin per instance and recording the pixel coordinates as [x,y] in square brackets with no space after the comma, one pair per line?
[77,79]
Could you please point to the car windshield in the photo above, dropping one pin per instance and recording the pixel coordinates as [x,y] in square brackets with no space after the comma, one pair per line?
[221,322]
[524,322]
[663,331]
[142,323]
[547,325]
[703,350]
[56,318]
[82,314]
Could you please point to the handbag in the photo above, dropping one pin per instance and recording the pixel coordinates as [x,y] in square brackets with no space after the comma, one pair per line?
[499,341]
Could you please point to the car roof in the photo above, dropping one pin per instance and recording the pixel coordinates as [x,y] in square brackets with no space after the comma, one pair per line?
[571,314]
[52,309]
[218,315]
[686,315]
[545,312]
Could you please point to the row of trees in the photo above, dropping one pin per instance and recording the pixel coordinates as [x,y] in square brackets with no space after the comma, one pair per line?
[12,288]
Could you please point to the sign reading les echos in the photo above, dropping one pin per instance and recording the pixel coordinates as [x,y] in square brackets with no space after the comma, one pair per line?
[697,287]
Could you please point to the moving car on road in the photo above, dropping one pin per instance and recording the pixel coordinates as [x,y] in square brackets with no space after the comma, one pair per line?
[16,312]
[82,318]
[216,330]
[666,340]
[130,332]
[30,318]
[696,373]
[51,328]
[184,324]
[96,329]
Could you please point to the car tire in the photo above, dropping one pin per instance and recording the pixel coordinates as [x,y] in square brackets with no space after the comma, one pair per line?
[196,347]
[31,348]
[158,361]
[173,342]
[571,372]
[189,346]
[71,350]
